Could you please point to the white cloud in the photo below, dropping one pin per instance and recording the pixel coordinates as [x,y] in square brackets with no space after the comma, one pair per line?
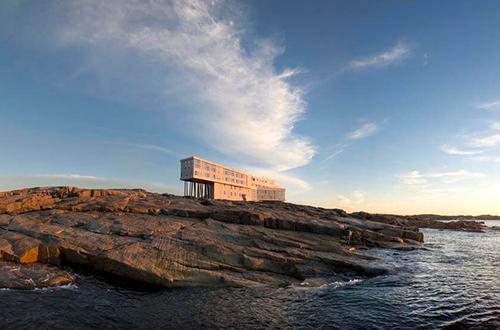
[454,151]
[201,54]
[417,179]
[485,141]
[245,108]
[489,106]
[391,56]
[13,182]
[343,201]
[346,202]
[359,197]
[451,177]
[495,125]
[365,130]
[413,178]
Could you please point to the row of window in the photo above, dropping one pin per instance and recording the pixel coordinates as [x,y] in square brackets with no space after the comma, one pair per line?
[215,168]
[230,193]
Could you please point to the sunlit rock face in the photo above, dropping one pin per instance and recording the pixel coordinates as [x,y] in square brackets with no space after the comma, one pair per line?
[173,241]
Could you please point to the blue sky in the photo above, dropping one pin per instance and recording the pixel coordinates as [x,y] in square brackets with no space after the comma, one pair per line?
[382,106]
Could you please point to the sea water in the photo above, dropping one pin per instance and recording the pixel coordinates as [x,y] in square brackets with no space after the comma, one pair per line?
[452,282]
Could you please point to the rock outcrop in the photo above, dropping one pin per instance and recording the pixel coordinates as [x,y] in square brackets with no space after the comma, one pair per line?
[173,241]
[22,276]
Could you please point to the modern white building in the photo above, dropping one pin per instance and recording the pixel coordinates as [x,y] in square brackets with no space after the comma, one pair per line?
[205,179]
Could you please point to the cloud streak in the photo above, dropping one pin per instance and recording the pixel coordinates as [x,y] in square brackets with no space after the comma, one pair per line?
[156,148]
[365,130]
[454,151]
[335,154]
[392,56]
[489,106]
[417,179]
[485,141]
[451,177]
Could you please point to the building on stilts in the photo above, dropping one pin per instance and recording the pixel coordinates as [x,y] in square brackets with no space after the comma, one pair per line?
[209,180]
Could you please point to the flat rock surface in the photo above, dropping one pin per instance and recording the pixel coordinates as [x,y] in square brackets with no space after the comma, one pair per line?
[174,241]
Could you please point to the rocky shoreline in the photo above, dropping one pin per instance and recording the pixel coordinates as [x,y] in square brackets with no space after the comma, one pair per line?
[172,241]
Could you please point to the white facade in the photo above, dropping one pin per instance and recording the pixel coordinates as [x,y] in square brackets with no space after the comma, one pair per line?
[211,180]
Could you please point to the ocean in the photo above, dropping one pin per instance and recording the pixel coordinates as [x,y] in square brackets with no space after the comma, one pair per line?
[452,282]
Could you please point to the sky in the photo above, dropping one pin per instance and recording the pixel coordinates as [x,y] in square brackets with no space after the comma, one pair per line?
[379,106]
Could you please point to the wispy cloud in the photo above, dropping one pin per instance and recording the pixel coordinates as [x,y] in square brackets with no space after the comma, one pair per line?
[489,106]
[335,154]
[481,142]
[202,53]
[455,151]
[451,177]
[386,58]
[415,178]
[359,196]
[495,125]
[343,201]
[426,58]
[365,130]
[485,141]
[156,148]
